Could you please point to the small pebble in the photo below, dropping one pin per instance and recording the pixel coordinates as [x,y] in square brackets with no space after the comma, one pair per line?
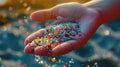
[53,59]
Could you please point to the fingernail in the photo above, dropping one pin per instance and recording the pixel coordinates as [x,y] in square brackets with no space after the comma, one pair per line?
[26,42]
[29,48]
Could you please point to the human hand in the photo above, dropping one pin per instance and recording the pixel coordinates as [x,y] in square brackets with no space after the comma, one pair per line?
[89,20]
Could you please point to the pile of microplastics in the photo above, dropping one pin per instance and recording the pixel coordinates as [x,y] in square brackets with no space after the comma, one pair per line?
[57,34]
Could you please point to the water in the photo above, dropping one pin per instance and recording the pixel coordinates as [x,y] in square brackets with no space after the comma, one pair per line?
[102,50]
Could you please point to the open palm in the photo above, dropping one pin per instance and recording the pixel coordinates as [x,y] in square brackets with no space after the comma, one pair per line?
[88,19]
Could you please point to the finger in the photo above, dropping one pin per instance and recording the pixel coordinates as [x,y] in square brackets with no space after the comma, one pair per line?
[63,48]
[68,46]
[42,51]
[31,37]
[43,15]
[29,49]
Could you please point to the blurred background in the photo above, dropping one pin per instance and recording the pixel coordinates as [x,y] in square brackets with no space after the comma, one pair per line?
[102,50]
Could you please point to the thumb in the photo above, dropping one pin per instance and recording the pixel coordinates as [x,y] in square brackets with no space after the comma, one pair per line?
[43,15]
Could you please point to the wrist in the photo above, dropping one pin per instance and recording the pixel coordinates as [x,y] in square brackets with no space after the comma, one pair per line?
[96,10]
[99,14]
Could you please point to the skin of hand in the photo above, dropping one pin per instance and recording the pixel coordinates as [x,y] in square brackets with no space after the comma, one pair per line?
[89,20]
